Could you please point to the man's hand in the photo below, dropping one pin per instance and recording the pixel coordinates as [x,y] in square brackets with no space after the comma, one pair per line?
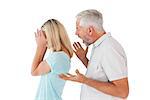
[79,51]
[40,38]
[76,78]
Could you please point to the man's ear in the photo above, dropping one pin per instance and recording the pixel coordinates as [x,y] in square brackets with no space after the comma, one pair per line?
[90,30]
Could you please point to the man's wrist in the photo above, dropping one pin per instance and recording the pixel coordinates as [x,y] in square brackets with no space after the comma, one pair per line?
[84,58]
[85,81]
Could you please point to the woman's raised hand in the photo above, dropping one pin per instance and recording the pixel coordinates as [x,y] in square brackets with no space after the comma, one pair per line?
[40,38]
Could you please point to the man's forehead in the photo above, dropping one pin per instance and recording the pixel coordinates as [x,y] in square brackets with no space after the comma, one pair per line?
[78,21]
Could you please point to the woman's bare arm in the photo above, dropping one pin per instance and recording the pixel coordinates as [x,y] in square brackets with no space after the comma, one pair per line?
[38,65]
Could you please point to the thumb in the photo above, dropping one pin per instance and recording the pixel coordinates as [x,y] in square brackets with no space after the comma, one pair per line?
[77,71]
[86,50]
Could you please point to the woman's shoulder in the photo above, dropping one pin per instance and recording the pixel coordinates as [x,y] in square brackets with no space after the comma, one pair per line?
[59,55]
[59,61]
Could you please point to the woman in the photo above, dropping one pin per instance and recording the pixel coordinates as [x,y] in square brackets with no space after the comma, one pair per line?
[52,36]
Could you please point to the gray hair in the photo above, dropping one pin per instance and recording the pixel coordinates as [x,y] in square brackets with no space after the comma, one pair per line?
[91,17]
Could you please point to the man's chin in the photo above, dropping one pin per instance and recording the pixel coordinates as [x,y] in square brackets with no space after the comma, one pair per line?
[87,44]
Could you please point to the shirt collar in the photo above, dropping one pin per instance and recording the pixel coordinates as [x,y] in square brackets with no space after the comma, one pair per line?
[101,39]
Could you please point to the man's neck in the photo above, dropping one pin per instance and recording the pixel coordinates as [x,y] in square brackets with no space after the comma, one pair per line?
[98,35]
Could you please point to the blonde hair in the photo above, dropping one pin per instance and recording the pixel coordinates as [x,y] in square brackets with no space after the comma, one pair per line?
[56,36]
[91,17]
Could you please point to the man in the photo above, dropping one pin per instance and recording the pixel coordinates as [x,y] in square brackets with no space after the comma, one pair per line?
[106,76]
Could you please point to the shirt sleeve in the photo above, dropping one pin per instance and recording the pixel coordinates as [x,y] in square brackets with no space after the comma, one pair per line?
[114,64]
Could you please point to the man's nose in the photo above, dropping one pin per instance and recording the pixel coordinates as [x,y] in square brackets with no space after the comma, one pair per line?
[76,33]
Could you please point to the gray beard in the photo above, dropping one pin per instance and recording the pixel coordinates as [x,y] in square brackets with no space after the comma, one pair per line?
[87,44]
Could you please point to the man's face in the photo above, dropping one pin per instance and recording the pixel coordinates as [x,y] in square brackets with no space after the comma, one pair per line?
[82,33]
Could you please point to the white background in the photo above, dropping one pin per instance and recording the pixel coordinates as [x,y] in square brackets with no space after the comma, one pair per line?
[127,20]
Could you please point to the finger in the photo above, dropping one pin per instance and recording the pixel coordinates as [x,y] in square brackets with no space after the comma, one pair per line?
[62,76]
[79,45]
[40,33]
[86,50]
[74,50]
[76,44]
[37,30]
[35,34]
[75,47]
[70,75]
[77,71]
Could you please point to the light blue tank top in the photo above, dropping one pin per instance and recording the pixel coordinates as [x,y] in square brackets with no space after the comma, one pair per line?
[51,86]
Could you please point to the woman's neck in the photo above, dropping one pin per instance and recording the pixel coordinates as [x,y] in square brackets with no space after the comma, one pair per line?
[65,50]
